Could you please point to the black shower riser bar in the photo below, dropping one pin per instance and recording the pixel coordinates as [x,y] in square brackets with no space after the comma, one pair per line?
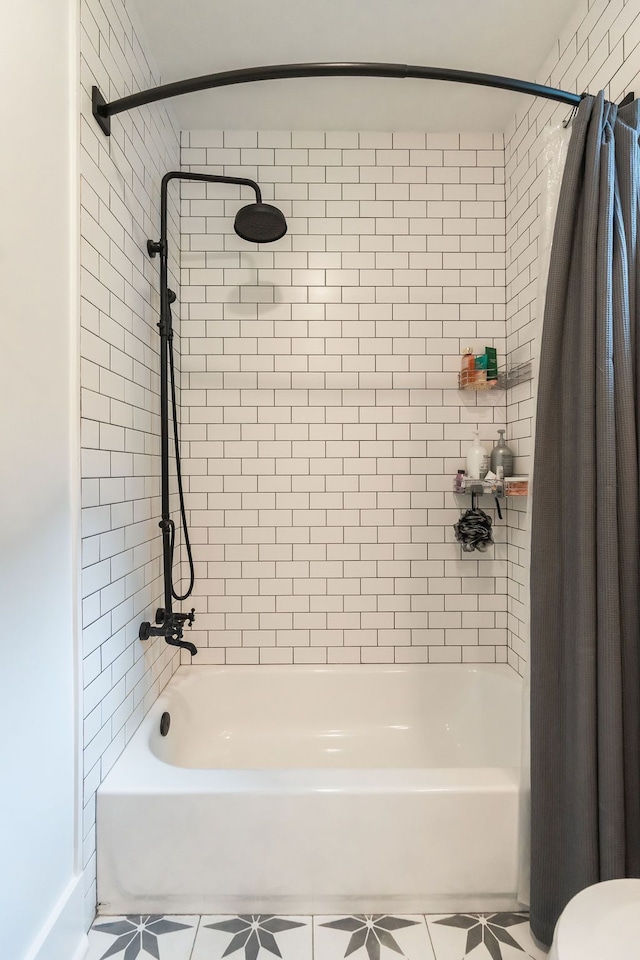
[257,222]
[103,111]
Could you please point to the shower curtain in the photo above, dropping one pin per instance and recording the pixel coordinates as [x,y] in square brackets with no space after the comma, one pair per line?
[585,557]
[553,157]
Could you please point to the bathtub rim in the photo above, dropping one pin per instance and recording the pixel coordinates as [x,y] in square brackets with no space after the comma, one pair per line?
[139,770]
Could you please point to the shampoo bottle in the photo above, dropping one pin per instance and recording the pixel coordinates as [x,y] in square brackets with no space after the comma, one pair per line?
[467,365]
[502,456]
[477,459]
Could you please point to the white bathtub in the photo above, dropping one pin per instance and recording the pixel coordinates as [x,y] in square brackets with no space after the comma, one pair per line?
[296,790]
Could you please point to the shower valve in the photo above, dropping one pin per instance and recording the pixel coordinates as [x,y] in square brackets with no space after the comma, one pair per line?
[171,628]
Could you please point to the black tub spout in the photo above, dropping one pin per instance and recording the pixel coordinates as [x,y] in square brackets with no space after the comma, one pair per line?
[171,627]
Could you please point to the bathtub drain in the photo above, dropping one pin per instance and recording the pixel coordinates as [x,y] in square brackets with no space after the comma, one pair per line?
[165,723]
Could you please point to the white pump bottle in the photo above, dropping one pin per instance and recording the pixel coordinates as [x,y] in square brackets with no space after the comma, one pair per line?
[477,459]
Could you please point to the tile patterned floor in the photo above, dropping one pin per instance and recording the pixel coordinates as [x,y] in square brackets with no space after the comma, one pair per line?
[489,936]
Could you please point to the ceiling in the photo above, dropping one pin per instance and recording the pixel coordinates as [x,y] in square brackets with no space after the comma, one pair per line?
[193,37]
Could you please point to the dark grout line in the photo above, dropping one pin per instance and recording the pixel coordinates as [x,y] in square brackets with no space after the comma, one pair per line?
[433,949]
[193,945]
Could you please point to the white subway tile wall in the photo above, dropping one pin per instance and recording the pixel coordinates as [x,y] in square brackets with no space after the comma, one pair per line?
[121,586]
[598,49]
[322,423]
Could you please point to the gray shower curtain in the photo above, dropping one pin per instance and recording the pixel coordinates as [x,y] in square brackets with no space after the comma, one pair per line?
[585,557]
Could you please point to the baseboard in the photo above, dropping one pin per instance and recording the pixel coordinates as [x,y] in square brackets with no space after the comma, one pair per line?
[63,935]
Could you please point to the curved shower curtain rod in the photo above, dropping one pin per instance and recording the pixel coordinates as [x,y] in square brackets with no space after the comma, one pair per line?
[103,111]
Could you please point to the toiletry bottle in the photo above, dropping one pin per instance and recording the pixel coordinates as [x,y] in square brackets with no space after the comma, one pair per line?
[477,459]
[467,366]
[492,363]
[502,456]
[481,368]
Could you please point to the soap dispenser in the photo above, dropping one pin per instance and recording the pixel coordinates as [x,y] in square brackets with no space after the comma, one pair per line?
[502,456]
[477,459]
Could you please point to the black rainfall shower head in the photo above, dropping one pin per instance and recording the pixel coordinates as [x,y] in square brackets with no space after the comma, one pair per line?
[260,223]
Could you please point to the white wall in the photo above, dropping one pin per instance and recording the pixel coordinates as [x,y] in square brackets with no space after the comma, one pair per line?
[322,421]
[40,911]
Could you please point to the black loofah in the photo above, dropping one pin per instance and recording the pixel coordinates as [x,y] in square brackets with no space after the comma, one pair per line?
[473,530]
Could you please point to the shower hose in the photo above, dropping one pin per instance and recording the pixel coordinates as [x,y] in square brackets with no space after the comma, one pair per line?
[183,514]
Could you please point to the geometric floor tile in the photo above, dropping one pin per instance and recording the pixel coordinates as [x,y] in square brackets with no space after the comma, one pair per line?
[143,937]
[483,936]
[259,936]
[476,936]
[376,936]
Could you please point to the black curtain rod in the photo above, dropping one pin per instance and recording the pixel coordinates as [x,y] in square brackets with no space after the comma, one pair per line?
[103,111]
